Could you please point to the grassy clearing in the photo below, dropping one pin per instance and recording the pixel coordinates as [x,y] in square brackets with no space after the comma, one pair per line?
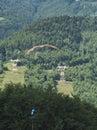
[65,88]
[18,77]
[15,77]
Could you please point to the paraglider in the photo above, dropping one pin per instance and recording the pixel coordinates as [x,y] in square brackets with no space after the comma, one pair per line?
[40,46]
[32,112]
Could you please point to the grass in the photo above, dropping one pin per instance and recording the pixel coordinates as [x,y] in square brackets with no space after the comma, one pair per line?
[10,76]
[18,77]
[1,79]
[65,88]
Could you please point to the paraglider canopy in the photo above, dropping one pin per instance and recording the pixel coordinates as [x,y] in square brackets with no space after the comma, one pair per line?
[40,46]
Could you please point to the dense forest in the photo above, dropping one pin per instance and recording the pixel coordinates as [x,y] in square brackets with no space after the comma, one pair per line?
[15,14]
[53,111]
[76,39]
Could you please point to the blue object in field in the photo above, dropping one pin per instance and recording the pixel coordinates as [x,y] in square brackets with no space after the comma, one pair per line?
[32,112]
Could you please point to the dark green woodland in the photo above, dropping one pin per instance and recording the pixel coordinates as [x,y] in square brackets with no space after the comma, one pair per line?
[52,111]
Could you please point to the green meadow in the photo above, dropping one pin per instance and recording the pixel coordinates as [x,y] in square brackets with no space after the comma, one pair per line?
[10,76]
[18,77]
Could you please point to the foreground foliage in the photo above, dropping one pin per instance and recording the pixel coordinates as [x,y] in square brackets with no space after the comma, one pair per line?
[53,111]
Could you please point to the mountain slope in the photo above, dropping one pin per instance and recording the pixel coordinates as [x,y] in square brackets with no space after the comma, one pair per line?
[76,37]
[15,14]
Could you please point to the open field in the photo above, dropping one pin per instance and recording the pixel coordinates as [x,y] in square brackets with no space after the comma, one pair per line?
[65,87]
[10,76]
[18,77]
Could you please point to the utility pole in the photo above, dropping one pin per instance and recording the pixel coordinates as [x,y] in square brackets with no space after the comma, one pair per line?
[61,69]
[15,69]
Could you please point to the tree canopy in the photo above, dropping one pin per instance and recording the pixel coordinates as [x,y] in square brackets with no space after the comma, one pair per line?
[52,111]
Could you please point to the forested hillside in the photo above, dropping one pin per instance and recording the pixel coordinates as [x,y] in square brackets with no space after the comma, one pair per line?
[15,14]
[77,42]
